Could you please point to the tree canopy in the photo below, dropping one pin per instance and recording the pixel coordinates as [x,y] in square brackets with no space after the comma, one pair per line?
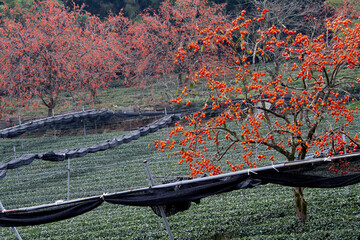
[298,105]
[45,52]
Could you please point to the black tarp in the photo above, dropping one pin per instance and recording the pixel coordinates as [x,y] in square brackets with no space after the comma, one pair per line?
[177,196]
[185,191]
[48,213]
[61,155]
[89,115]
[310,181]
[18,130]
[102,115]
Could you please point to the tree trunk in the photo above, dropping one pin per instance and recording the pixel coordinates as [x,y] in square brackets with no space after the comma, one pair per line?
[180,80]
[51,107]
[300,204]
[50,112]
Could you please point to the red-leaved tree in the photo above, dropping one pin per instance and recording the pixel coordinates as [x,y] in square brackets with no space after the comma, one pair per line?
[300,107]
[45,51]
[171,28]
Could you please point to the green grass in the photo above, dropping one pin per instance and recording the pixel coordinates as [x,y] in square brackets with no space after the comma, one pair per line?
[156,96]
[264,212]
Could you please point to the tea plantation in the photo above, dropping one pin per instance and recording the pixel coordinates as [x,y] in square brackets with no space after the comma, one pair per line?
[264,212]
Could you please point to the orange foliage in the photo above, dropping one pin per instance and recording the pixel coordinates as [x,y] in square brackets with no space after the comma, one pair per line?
[293,109]
[162,39]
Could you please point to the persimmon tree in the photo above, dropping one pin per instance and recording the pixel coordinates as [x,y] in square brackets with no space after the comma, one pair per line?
[305,16]
[300,108]
[45,52]
[104,53]
[171,28]
[116,37]
[345,8]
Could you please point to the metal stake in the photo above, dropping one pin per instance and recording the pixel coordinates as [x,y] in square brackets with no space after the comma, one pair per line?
[53,114]
[162,210]
[21,139]
[84,122]
[16,232]
[17,173]
[68,180]
[347,187]
[54,133]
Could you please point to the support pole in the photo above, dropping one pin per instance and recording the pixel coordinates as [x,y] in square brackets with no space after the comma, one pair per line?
[84,127]
[151,180]
[347,187]
[84,122]
[54,133]
[68,180]
[53,114]
[16,232]
[162,210]
[21,139]
[17,173]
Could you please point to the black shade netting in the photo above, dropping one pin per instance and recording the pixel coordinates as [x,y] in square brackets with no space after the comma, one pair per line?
[48,213]
[323,173]
[177,196]
[61,155]
[94,120]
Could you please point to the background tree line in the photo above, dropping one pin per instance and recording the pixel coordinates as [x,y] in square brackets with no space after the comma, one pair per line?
[132,8]
[141,40]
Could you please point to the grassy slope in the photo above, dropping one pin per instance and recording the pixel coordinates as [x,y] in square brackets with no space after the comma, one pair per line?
[264,212]
[149,98]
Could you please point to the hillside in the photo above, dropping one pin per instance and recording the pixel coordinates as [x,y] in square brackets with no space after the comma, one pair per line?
[264,212]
